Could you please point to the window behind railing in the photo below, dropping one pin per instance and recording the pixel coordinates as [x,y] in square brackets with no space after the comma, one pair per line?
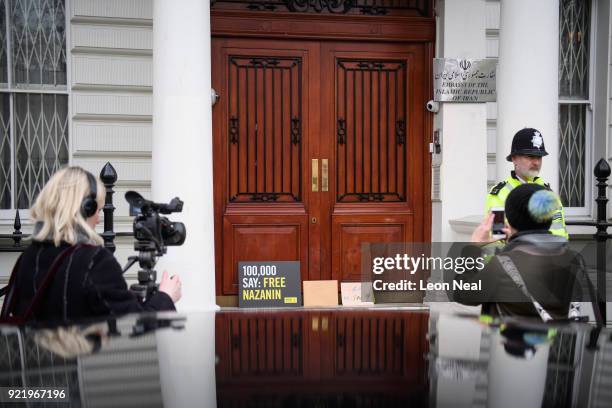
[574,101]
[33,97]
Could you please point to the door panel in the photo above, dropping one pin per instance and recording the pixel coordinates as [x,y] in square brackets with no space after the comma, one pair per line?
[373,119]
[371,130]
[262,147]
[265,128]
[350,231]
[262,238]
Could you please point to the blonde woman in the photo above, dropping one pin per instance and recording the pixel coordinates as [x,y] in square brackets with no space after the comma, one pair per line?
[86,280]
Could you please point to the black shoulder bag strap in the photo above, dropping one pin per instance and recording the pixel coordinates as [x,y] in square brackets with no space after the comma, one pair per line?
[6,315]
[510,268]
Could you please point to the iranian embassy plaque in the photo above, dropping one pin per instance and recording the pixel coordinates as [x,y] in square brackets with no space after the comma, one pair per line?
[464,80]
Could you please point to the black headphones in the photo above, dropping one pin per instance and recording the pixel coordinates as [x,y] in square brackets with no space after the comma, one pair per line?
[89,205]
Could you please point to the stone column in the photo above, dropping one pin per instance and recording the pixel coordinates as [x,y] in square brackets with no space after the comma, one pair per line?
[182,141]
[527,81]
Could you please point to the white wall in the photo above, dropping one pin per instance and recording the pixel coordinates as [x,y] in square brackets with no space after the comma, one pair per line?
[110,73]
[463,126]
[111,76]
[527,80]
[605,7]
[492,16]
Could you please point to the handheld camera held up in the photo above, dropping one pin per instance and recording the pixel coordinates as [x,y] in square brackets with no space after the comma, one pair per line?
[499,223]
[153,234]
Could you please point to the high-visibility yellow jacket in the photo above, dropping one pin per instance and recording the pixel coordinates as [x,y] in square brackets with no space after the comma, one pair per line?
[498,194]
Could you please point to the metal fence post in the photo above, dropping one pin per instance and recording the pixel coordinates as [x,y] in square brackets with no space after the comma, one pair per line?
[602,172]
[108,175]
[17,234]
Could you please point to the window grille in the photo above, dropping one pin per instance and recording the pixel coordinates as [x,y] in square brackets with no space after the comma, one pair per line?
[574,33]
[33,97]
[572,154]
[574,66]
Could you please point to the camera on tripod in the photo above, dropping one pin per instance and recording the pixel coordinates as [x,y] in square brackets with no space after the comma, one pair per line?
[153,234]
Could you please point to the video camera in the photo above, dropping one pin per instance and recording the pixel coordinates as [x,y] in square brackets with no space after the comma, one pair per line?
[153,234]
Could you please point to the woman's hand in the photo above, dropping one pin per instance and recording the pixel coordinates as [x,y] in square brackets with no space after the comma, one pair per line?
[171,286]
[482,233]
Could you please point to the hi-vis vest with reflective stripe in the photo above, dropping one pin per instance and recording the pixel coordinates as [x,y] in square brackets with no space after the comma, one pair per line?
[498,194]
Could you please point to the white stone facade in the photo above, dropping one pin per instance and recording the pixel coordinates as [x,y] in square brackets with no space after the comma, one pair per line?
[110,75]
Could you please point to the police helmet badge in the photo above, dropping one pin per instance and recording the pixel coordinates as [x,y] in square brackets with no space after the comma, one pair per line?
[537,140]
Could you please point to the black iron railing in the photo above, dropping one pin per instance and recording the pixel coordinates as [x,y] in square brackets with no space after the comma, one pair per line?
[14,242]
[602,173]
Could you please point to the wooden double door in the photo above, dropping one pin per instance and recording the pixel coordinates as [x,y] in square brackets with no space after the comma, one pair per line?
[319,146]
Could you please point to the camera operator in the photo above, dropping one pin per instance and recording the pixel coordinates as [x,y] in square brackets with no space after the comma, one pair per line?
[535,274]
[66,274]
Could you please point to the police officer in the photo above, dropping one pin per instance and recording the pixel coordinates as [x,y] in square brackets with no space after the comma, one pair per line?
[526,156]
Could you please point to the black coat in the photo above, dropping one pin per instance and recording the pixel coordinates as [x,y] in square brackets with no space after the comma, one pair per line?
[552,272]
[89,283]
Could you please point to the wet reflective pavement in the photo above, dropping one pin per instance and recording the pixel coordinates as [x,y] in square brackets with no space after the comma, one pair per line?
[343,357]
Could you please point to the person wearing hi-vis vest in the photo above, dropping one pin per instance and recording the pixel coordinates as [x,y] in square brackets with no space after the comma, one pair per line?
[526,155]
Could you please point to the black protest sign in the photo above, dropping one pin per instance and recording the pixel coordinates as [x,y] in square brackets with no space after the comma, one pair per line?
[269,284]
